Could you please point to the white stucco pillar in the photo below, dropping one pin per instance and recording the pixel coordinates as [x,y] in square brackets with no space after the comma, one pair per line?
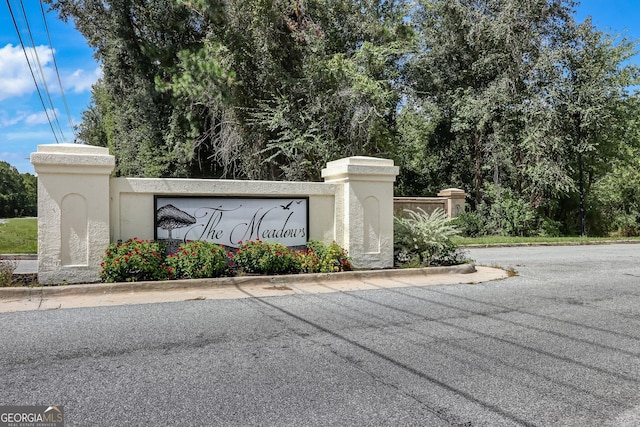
[454,201]
[73,211]
[365,207]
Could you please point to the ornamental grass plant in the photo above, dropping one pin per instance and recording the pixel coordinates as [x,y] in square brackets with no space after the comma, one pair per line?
[423,239]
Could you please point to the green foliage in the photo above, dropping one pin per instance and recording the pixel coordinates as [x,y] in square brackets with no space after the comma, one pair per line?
[513,94]
[471,224]
[423,239]
[6,273]
[247,88]
[320,258]
[507,214]
[18,192]
[134,260]
[514,100]
[196,260]
[261,257]
[29,195]
[257,256]
[617,197]
[503,213]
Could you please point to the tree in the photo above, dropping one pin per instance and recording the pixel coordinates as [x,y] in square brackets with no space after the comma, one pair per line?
[303,83]
[18,192]
[29,195]
[508,98]
[247,89]
[476,66]
[592,87]
[135,41]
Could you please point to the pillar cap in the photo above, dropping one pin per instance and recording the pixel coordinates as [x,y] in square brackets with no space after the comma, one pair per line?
[454,193]
[360,168]
[68,148]
[72,158]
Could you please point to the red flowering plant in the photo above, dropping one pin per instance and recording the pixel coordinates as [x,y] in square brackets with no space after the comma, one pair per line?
[307,261]
[134,260]
[198,259]
[321,258]
[257,256]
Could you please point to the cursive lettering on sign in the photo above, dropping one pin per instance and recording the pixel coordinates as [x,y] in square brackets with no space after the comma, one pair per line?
[230,221]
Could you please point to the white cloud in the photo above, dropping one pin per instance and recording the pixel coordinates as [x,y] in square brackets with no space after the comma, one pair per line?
[27,118]
[41,118]
[82,80]
[6,121]
[15,77]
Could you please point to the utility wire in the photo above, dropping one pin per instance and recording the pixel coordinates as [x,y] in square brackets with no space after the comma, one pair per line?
[55,64]
[42,76]
[15,24]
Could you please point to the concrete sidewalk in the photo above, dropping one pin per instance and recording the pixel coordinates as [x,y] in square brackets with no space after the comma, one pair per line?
[107,294]
[25,263]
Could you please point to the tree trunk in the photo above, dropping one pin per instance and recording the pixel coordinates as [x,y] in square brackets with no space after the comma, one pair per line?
[477,179]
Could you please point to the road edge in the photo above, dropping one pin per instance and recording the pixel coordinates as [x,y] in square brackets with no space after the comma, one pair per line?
[133,287]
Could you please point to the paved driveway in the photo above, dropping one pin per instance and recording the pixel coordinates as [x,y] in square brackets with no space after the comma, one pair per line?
[557,345]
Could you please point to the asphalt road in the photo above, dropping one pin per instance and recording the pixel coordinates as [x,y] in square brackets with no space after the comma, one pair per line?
[557,345]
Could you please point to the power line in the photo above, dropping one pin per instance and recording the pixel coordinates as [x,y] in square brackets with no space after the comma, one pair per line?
[42,75]
[15,24]
[38,75]
[55,64]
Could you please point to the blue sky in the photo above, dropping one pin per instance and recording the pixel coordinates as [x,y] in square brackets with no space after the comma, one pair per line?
[23,123]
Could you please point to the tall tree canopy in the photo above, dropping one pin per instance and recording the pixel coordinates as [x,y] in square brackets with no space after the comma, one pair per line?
[18,192]
[511,100]
[252,88]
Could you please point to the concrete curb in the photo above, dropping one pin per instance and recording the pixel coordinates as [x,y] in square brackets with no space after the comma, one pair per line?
[19,257]
[137,287]
[515,245]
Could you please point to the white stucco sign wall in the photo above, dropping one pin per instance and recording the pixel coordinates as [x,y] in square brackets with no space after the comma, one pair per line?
[81,210]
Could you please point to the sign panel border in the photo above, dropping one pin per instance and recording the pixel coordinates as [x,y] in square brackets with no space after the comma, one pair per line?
[287,203]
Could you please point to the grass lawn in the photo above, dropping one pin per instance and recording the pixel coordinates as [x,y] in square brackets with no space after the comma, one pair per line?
[504,240]
[19,236]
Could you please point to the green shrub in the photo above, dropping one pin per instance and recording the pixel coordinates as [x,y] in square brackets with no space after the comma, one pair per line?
[196,260]
[425,240]
[320,258]
[471,224]
[616,196]
[261,257]
[515,217]
[549,228]
[6,273]
[134,260]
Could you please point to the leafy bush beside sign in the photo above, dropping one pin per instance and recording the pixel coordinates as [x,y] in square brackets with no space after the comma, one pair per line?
[134,260]
[137,260]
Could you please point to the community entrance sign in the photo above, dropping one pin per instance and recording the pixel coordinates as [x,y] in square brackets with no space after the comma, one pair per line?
[82,209]
[231,220]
